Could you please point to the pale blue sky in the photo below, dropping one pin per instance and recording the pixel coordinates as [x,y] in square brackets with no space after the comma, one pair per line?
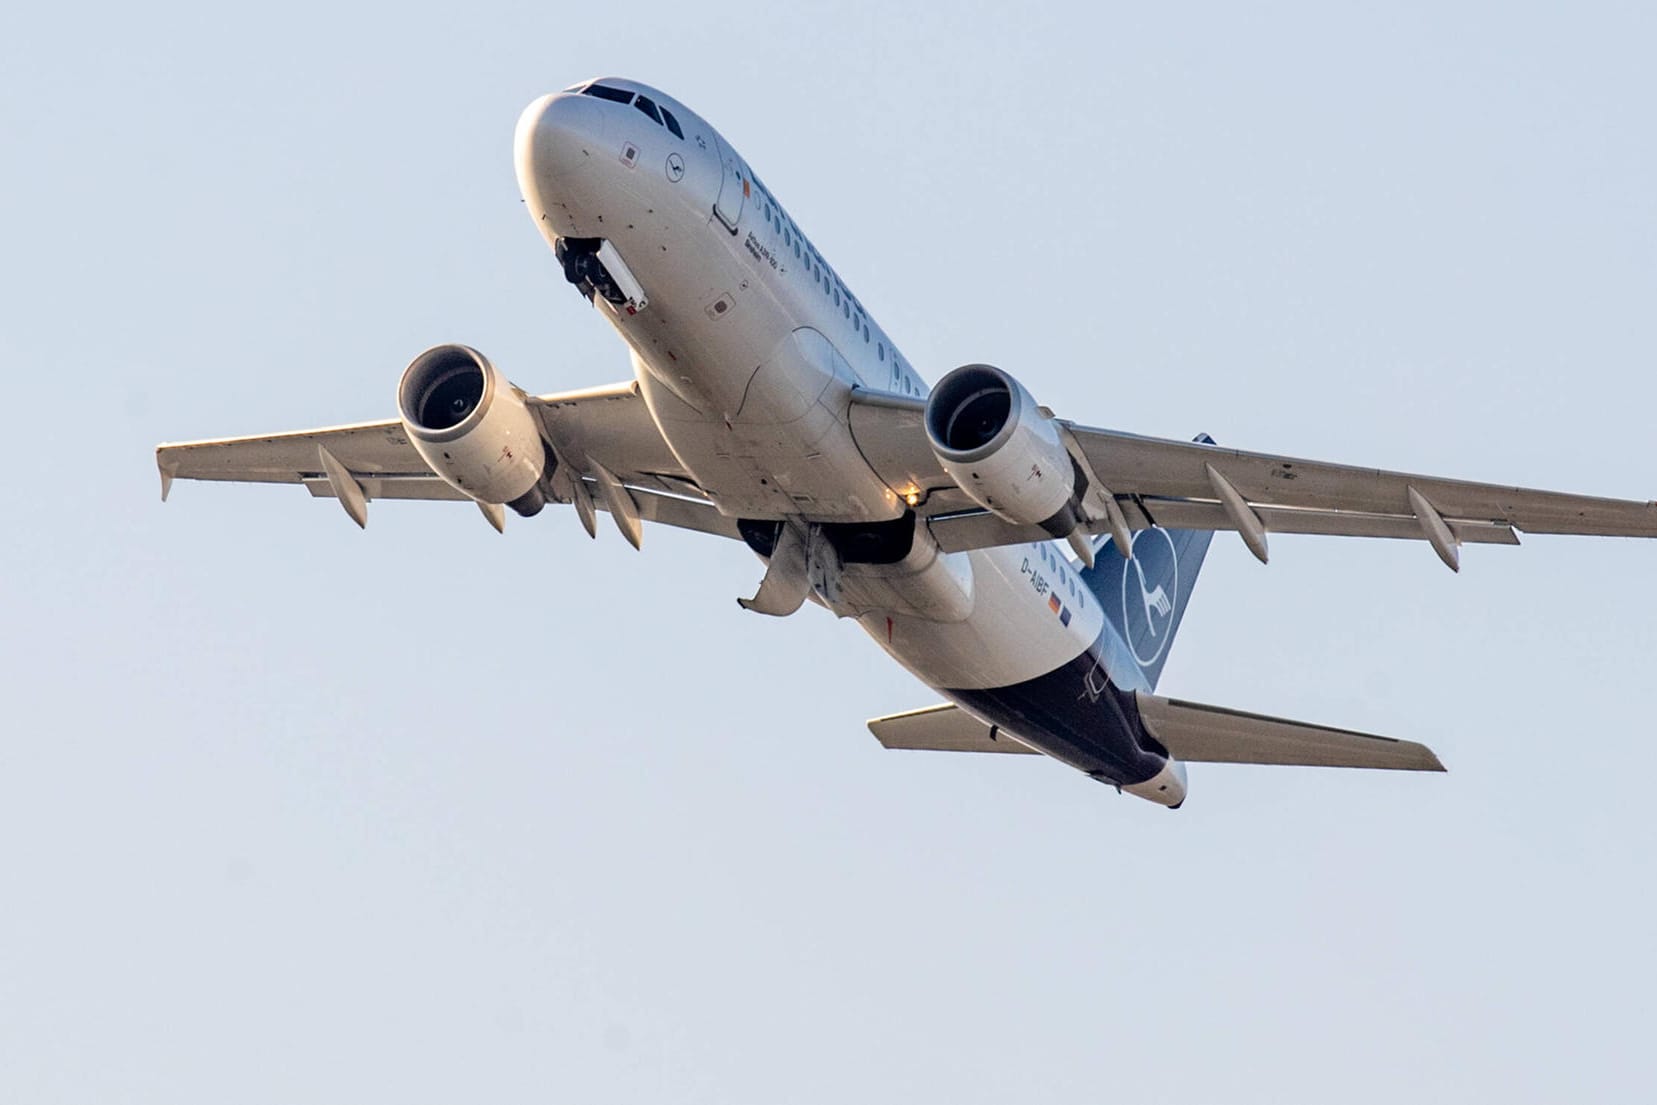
[293,813]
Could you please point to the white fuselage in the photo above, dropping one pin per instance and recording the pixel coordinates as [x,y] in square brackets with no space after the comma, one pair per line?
[747,352]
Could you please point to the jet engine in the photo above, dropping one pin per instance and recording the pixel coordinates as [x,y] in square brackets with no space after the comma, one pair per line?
[473,427]
[1003,450]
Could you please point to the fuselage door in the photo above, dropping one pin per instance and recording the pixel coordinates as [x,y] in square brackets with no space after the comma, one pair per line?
[732,189]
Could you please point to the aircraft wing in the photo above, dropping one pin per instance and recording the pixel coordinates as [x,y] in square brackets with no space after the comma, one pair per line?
[607,426]
[1198,485]
[1171,477]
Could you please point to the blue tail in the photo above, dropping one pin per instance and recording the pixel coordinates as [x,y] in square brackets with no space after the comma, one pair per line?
[1144,598]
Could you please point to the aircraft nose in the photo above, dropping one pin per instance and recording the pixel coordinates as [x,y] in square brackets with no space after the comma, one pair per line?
[555,142]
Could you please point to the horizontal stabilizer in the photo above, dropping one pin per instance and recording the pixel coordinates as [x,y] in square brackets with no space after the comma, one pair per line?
[943,728]
[1209,734]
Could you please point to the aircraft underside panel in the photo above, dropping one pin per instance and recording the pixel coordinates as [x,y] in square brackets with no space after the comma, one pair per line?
[1075,714]
[785,449]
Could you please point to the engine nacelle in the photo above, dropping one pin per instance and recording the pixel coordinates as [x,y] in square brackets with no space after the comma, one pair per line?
[1002,449]
[473,427]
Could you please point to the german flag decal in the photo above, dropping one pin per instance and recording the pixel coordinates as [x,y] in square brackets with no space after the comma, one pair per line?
[1053,603]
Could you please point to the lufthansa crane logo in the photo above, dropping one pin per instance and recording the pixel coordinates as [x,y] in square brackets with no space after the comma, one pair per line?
[1150,588]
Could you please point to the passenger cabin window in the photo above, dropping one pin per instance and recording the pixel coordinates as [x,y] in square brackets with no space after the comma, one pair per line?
[672,124]
[605,92]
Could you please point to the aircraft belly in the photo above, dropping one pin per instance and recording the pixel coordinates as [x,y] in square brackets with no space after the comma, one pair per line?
[1074,714]
[780,444]
[1014,633]
[1064,687]
[927,584]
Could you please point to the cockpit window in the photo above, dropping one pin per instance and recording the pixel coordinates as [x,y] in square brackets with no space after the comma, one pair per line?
[605,92]
[661,116]
[648,106]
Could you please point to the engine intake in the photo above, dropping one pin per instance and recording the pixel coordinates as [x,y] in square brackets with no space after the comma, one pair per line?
[999,446]
[473,428]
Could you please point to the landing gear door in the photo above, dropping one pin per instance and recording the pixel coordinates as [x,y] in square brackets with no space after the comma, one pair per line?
[732,188]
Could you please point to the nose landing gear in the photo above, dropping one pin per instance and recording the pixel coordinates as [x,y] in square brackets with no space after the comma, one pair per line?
[582,267]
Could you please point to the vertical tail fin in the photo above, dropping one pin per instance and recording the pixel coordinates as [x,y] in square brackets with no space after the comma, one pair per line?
[1145,597]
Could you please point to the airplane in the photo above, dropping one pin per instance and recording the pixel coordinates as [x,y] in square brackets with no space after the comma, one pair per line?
[1031,570]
